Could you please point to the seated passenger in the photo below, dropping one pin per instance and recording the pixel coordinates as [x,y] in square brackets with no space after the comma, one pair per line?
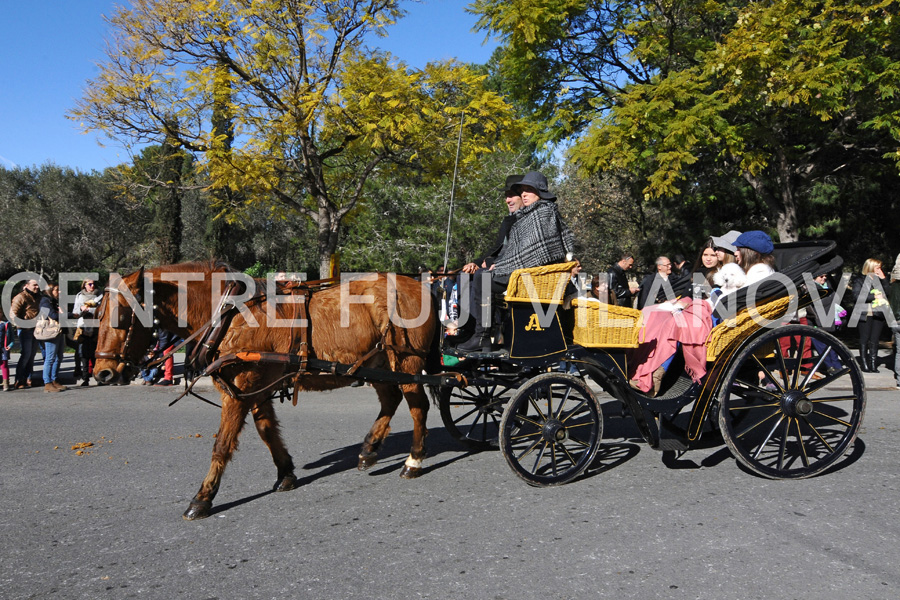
[688,321]
[537,237]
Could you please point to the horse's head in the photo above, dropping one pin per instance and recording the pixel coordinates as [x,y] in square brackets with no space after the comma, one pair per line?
[126,331]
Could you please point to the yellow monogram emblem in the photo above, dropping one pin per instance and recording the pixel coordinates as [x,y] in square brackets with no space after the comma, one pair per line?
[533,324]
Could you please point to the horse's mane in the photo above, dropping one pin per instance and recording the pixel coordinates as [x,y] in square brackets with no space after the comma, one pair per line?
[198,266]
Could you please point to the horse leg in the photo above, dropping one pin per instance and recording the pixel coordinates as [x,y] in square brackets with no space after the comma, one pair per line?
[267,426]
[418,409]
[390,397]
[232,420]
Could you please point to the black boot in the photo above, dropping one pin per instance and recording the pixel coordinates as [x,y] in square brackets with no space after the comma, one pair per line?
[864,361]
[873,359]
[479,342]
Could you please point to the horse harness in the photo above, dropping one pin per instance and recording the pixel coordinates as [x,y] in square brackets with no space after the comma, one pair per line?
[297,362]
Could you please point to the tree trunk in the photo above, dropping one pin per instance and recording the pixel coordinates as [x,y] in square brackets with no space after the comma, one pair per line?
[781,201]
[327,238]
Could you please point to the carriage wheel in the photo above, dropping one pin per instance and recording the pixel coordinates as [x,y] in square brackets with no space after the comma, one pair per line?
[792,402]
[551,429]
[472,414]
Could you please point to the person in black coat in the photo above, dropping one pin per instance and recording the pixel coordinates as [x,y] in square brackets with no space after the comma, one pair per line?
[618,280]
[867,289]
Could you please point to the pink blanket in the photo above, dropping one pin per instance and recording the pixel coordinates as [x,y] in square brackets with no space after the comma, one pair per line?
[661,333]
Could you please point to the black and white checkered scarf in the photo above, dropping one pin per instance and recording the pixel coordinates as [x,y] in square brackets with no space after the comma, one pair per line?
[539,237]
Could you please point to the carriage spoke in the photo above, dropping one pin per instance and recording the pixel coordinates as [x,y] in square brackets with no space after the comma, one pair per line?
[743,389]
[534,403]
[574,411]
[797,356]
[747,430]
[529,449]
[537,460]
[819,435]
[779,355]
[767,373]
[553,459]
[765,442]
[835,419]
[579,442]
[783,443]
[803,454]
[562,403]
[465,415]
[521,419]
[752,406]
[568,454]
[523,436]
[815,386]
[832,399]
[809,376]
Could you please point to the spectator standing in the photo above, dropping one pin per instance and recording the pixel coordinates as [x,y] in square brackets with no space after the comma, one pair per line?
[895,307]
[87,300]
[618,280]
[166,342]
[866,288]
[52,349]
[6,342]
[25,306]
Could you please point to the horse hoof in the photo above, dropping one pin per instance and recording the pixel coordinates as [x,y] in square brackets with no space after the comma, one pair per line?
[287,483]
[197,510]
[366,461]
[410,472]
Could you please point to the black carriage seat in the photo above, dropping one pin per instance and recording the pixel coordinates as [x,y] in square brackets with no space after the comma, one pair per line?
[792,260]
[771,296]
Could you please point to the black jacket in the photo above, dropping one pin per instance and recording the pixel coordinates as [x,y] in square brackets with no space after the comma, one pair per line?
[618,284]
[495,248]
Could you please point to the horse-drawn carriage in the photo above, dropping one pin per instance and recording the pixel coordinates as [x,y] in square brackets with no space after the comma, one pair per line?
[787,399]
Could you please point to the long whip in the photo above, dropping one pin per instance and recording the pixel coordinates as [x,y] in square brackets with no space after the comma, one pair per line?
[462,117]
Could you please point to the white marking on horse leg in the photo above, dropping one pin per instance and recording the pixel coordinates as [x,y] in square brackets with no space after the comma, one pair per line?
[413,463]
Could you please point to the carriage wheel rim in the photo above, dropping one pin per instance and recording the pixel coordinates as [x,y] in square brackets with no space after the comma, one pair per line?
[795,425]
[551,429]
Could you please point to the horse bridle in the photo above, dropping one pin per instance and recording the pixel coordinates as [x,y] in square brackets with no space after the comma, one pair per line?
[122,357]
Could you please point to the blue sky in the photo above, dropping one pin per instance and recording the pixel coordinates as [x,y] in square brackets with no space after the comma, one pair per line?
[49,48]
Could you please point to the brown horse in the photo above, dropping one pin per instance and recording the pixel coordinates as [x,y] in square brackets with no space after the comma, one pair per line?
[386,321]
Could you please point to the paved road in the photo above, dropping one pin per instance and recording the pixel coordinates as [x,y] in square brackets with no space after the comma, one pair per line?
[106,522]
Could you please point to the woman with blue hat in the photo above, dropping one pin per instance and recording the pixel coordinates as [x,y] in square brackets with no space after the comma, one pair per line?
[753,251]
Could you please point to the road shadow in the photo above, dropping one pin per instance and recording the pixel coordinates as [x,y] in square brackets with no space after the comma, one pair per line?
[391,455]
[859,448]
[218,508]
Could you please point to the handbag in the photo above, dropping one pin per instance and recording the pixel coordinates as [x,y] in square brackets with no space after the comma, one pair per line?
[46,328]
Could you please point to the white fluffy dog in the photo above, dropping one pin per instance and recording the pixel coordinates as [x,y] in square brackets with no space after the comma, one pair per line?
[730,278]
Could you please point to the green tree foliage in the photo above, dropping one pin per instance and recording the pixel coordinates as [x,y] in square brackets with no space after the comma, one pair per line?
[57,219]
[790,97]
[403,226]
[312,113]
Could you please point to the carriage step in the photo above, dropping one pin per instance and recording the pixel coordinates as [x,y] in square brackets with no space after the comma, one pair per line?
[670,437]
[671,445]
